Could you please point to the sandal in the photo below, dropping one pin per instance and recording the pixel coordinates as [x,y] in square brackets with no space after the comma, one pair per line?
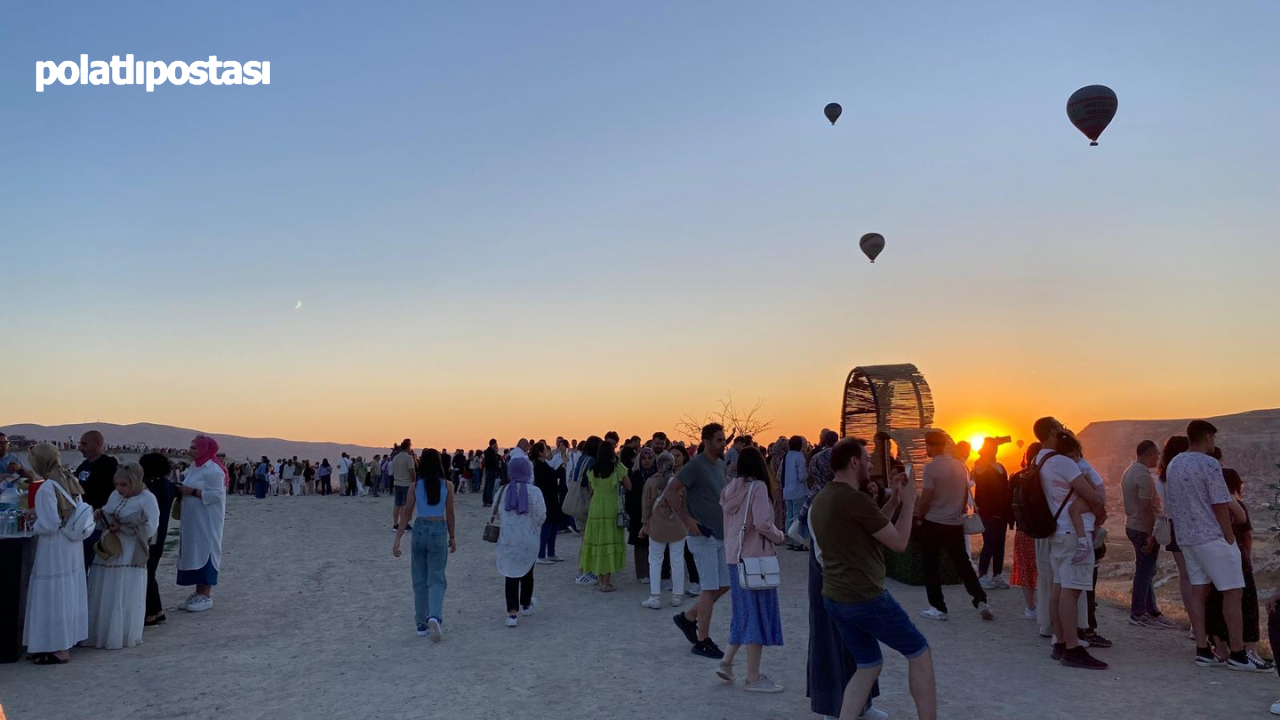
[35,657]
[154,621]
[51,659]
[608,588]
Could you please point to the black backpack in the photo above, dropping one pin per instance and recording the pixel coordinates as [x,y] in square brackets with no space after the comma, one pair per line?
[1030,506]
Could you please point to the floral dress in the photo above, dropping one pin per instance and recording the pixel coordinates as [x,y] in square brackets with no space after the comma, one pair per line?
[604,548]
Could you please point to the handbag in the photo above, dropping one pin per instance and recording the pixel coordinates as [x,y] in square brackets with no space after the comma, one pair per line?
[80,524]
[494,527]
[1163,531]
[973,524]
[756,573]
[623,519]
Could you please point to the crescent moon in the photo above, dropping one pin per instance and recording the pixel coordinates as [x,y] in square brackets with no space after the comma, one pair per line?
[298,306]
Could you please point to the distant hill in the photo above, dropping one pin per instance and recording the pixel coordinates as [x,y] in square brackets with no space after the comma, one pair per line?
[1250,443]
[165,436]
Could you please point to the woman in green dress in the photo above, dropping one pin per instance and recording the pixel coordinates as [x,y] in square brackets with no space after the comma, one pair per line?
[604,547]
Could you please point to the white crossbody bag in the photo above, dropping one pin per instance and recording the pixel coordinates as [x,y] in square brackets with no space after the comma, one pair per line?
[756,573]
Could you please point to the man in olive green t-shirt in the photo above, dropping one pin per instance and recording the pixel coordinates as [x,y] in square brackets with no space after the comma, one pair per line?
[849,534]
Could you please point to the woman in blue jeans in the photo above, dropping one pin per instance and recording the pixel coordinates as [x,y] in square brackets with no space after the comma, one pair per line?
[432,542]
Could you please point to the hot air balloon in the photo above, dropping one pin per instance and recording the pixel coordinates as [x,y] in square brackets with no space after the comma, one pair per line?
[872,244]
[1091,108]
[832,111]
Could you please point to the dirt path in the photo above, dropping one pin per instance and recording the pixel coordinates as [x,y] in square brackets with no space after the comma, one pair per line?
[314,618]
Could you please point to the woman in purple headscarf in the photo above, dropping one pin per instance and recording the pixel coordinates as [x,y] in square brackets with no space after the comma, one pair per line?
[521,512]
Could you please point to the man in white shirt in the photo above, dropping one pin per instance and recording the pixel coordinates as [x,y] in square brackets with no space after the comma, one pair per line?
[1064,484]
[1200,507]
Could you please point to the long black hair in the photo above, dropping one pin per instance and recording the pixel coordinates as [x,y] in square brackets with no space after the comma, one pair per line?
[1173,447]
[431,473]
[606,460]
[751,464]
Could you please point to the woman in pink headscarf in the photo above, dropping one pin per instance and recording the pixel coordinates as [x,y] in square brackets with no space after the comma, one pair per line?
[204,505]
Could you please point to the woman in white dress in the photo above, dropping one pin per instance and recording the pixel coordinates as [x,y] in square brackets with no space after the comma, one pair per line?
[204,508]
[118,578]
[57,600]
[521,511]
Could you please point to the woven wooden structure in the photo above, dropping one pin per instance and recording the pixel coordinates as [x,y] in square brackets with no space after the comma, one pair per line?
[894,399]
[889,398]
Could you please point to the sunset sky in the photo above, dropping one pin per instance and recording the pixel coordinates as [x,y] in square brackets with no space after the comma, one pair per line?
[568,217]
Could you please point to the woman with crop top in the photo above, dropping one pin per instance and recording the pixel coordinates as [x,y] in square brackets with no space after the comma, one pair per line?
[433,531]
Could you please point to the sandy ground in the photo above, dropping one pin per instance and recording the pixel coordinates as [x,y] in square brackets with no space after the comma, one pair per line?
[314,618]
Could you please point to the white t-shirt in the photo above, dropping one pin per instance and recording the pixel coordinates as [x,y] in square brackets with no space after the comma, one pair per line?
[1056,475]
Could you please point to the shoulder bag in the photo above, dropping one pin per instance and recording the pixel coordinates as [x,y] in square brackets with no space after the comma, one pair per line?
[80,524]
[972,523]
[756,573]
[623,519]
[493,528]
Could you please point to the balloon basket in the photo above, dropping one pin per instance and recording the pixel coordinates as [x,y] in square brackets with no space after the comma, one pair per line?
[1093,143]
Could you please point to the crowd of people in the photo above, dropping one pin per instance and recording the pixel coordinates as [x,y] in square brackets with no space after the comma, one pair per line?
[100,534]
[706,521]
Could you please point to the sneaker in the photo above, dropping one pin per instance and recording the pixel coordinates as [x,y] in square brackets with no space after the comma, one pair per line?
[200,604]
[874,713]
[1206,658]
[422,629]
[1084,551]
[190,598]
[934,614]
[433,626]
[694,590]
[1163,622]
[555,559]
[1057,651]
[708,649]
[643,580]
[1078,657]
[763,685]
[512,621]
[725,672]
[544,561]
[666,585]
[1029,614]
[653,602]
[676,601]
[1243,662]
[1275,708]
[586,579]
[1094,639]
[529,609]
[1000,582]
[688,627]
[984,610]
[986,583]
[1145,621]
[1253,655]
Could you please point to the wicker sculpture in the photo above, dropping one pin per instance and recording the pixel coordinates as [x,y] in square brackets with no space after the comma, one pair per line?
[889,398]
[894,399]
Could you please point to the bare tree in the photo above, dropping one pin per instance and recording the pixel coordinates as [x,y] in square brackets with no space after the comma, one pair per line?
[736,421]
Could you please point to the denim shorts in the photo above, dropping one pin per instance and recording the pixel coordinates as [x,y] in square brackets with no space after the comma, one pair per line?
[708,557]
[402,496]
[863,626]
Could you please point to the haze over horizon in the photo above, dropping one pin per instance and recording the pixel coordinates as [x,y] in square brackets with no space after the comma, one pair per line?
[564,218]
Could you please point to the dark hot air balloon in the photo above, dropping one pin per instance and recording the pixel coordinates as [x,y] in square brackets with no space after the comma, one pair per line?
[832,111]
[1091,108]
[872,245]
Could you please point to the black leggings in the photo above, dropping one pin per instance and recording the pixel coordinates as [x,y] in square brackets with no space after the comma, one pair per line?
[519,592]
[154,606]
